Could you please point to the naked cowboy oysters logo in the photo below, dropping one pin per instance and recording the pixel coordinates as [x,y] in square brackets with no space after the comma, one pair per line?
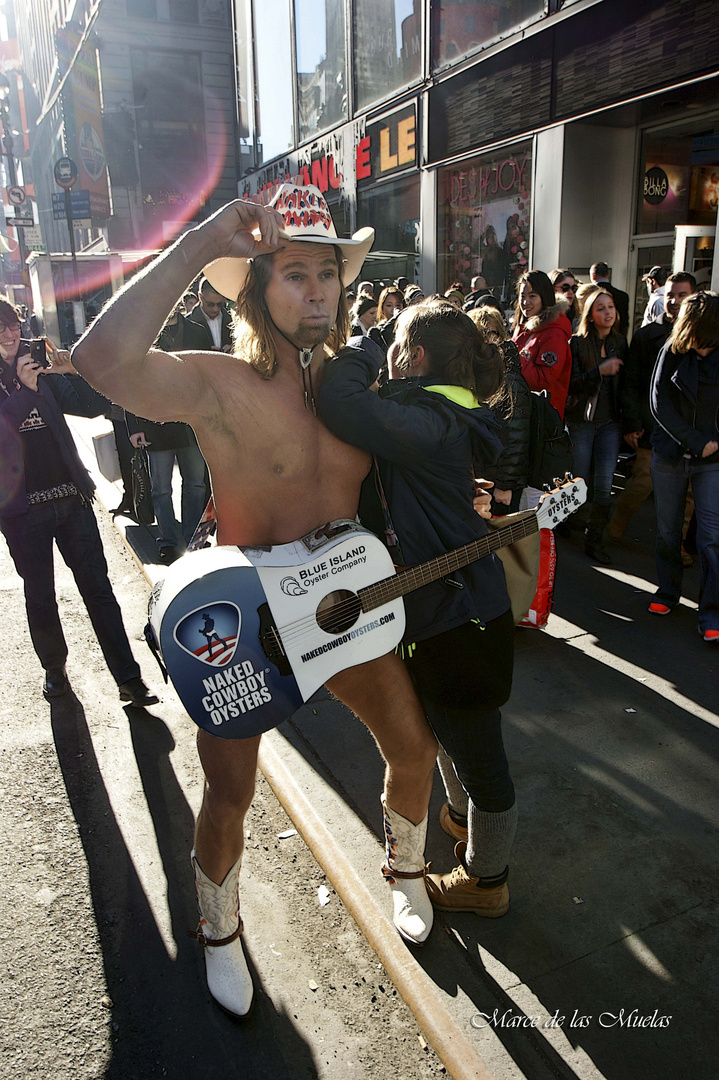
[291,587]
[210,633]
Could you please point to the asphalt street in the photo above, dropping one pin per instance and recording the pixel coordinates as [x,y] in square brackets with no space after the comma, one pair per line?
[605,966]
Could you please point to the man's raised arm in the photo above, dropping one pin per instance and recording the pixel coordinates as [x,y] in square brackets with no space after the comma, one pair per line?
[112,355]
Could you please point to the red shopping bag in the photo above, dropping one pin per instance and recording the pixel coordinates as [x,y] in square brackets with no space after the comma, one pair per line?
[541,606]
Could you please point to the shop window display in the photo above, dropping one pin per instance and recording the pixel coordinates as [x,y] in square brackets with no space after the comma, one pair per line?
[484,220]
[679,182]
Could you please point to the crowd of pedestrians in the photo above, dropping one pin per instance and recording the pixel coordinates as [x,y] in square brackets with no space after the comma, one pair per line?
[570,338]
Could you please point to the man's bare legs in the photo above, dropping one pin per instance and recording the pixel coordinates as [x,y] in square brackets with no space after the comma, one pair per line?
[382,695]
[230,767]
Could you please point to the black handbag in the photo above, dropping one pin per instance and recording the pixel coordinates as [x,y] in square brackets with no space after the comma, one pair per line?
[141,487]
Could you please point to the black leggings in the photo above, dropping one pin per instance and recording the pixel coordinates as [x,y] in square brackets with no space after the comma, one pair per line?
[462,678]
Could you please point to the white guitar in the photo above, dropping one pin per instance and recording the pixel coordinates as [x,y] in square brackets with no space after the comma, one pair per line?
[248,634]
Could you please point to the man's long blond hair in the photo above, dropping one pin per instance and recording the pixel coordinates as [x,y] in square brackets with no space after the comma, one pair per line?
[252,325]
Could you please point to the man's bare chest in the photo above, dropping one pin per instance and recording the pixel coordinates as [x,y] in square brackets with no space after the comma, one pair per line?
[269,429]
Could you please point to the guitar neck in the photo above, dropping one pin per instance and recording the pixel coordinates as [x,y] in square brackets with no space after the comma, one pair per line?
[414,577]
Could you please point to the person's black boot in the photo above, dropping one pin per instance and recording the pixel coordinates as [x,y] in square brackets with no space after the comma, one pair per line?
[594,546]
[55,683]
[134,692]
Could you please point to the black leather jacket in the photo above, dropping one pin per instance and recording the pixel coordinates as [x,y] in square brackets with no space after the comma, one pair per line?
[586,379]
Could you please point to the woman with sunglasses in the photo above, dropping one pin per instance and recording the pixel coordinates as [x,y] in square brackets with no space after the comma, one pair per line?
[685,447]
[565,290]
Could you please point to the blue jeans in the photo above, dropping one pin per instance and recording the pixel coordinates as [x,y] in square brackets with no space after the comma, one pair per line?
[604,440]
[72,525]
[194,491]
[670,490]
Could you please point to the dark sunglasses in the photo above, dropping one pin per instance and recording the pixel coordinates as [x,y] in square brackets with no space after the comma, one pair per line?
[568,288]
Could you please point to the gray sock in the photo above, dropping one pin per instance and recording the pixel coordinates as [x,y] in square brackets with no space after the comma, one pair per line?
[490,841]
[456,795]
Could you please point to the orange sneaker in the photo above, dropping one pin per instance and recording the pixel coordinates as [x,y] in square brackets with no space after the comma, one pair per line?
[659,609]
[711,635]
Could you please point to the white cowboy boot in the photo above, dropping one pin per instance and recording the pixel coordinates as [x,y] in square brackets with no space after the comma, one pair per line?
[228,977]
[405,871]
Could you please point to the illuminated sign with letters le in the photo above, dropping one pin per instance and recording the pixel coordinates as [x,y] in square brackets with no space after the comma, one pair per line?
[389,145]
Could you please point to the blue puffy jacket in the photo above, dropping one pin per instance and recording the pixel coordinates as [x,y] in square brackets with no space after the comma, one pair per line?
[430,440]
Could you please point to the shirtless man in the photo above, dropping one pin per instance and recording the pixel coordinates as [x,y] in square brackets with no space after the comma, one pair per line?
[277,473]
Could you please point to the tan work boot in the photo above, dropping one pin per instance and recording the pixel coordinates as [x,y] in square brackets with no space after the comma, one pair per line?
[459,891]
[450,826]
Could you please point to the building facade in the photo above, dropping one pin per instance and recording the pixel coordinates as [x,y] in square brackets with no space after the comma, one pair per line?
[141,95]
[492,136]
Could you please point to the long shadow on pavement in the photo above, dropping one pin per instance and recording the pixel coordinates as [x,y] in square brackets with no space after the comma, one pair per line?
[165,1022]
[615,869]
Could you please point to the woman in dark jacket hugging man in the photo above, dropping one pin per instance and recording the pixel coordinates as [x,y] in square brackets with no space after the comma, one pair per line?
[592,414]
[431,432]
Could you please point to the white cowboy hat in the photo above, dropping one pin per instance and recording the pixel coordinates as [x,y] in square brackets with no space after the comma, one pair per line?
[307,217]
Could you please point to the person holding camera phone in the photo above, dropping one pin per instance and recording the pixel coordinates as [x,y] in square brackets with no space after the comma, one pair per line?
[45,496]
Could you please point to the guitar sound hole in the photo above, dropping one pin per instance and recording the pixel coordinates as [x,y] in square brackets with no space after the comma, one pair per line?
[338,611]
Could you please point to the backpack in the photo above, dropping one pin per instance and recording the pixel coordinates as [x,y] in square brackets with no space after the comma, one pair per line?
[550,448]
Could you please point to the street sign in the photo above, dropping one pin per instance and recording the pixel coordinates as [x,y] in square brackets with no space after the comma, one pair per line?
[16,195]
[23,217]
[33,239]
[65,172]
[79,203]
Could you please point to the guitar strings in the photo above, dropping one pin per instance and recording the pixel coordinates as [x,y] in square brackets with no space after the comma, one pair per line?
[290,633]
[293,632]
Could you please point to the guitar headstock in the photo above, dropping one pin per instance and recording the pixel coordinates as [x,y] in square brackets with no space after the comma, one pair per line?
[566,497]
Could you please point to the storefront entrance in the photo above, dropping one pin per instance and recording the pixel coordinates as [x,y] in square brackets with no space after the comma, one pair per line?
[690,247]
[677,202]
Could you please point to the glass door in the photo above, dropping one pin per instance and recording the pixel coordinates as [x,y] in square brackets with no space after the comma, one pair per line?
[647,251]
[694,252]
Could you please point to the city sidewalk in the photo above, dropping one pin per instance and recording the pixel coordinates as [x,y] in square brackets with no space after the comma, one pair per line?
[606,964]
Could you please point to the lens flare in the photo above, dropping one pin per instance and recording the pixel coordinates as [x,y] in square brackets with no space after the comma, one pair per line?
[173,197]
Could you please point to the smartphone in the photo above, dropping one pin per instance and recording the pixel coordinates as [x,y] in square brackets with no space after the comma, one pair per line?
[38,351]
